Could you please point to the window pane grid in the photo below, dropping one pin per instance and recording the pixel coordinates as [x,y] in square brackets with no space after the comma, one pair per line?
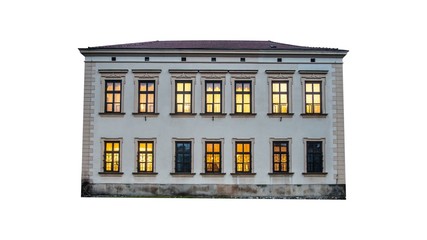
[314,156]
[313,97]
[146,93]
[183,157]
[242,97]
[111,156]
[145,156]
[183,95]
[213,97]
[213,157]
[113,96]
[243,157]
[280,156]
[279,97]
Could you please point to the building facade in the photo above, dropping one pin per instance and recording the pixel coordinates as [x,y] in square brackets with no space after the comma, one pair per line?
[238,119]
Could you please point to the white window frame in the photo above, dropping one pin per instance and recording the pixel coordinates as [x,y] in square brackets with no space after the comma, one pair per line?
[117,75]
[289,140]
[249,76]
[178,75]
[204,140]
[280,76]
[136,143]
[323,140]
[212,76]
[146,75]
[233,142]
[101,167]
[174,140]
[314,76]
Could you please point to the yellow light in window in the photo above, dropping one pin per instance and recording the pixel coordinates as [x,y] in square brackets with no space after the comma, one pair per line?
[179,98]
[247,158]
[308,87]
[239,98]
[109,146]
[239,158]
[149,167]
[179,108]
[143,87]
[110,86]
[317,108]
[217,98]
[209,158]
[247,98]
[308,99]
[142,158]
[247,108]
[239,147]
[217,87]
[116,147]
[142,98]
[117,87]
[108,157]
[239,108]
[142,147]
[284,108]
[276,87]
[217,108]
[276,157]
[209,108]
[150,98]
[247,166]
[209,98]
[149,147]
[109,97]
[316,87]
[149,157]
[108,166]
[283,98]
[187,87]
[187,98]
[187,108]
[239,87]
[151,87]
[246,87]
[247,147]
[283,87]
[275,98]
[239,167]
[316,98]
[284,159]
[209,147]
[216,147]
[209,87]
[180,87]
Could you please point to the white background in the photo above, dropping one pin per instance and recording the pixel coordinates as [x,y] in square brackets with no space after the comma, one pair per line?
[41,107]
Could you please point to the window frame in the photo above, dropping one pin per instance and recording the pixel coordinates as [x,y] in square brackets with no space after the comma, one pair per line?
[323,147]
[108,76]
[250,141]
[242,76]
[175,141]
[154,158]
[314,76]
[145,75]
[186,76]
[212,76]
[274,76]
[102,168]
[220,141]
[184,93]
[289,156]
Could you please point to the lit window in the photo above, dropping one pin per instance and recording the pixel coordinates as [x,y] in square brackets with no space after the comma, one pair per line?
[243,157]
[111,156]
[313,97]
[183,94]
[213,157]
[146,93]
[314,156]
[183,157]
[113,92]
[243,95]
[280,156]
[213,96]
[145,156]
[280,97]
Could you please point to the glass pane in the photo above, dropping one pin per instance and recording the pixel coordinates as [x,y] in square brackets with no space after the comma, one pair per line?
[247,167]
[142,158]
[150,108]
[239,98]
[276,148]
[317,108]
[187,98]
[316,87]
[217,108]
[109,107]
[209,98]
[108,157]
[149,147]
[116,158]
[239,108]
[108,167]
[209,158]
[179,87]
[216,147]
[284,168]
[239,147]
[149,167]
[216,167]
[217,98]
[117,86]
[239,158]
[187,108]
[247,147]
[117,98]
[187,87]
[276,167]
[275,108]
[149,157]
[247,98]
[283,98]
[110,86]
[283,148]
[209,167]
[284,158]
[142,167]
[109,97]
[275,98]
[142,87]
[316,98]
[283,87]
[179,98]
[247,108]
[117,107]
[239,87]
[308,87]
[209,147]
[276,157]
[142,147]
[217,87]
[284,108]
[116,147]
[308,99]
[209,108]
[179,108]
[308,108]
[109,146]
[247,87]
[275,87]
[209,87]
[217,158]
[239,168]
[247,158]
[150,98]
[150,86]
[142,108]
[116,168]
[142,98]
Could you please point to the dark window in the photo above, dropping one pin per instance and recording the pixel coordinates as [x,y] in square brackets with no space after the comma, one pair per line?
[280,156]
[147,59]
[243,59]
[213,59]
[279,94]
[111,156]
[314,156]
[146,94]
[313,97]
[243,95]
[312,60]
[113,92]
[213,95]
[183,59]
[113,59]
[279,59]
[183,157]
[213,157]
[145,156]
[183,97]
[243,157]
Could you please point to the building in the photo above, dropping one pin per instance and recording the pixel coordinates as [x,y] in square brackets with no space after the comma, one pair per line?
[243,119]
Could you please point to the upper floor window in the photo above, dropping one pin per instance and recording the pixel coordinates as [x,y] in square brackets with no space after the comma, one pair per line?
[314,85]
[146,95]
[313,97]
[280,97]
[183,97]
[314,155]
[243,97]
[113,96]
[111,156]
[213,96]
[146,91]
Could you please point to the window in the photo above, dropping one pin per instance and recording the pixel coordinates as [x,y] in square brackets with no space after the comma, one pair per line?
[183,59]
[279,59]
[279,93]
[243,97]
[183,157]
[243,59]
[280,156]
[146,95]
[145,156]
[113,95]
[213,96]
[213,157]
[183,97]
[314,155]
[243,157]
[313,97]
[147,59]
[111,156]
[213,59]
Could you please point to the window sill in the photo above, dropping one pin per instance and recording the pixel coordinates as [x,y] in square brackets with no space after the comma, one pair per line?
[182,114]
[142,114]
[277,115]
[314,174]
[120,114]
[281,174]
[212,174]
[242,174]
[243,115]
[213,114]
[112,174]
[314,115]
[182,174]
[142,174]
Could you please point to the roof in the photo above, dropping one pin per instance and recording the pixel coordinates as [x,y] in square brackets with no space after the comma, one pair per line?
[213,45]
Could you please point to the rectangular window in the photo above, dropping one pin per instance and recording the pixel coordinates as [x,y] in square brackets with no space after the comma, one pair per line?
[213,96]
[243,157]
[183,96]
[313,97]
[145,156]
[242,96]
[183,157]
[279,97]
[111,156]
[213,157]
[314,157]
[113,92]
[146,94]
[280,156]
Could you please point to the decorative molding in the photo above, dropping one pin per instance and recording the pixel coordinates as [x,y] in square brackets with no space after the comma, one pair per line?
[113,73]
[323,72]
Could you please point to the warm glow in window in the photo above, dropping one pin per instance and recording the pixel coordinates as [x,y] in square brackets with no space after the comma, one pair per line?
[243,97]
[146,96]
[243,157]
[280,97]
[213,157]
[280,157]
[113,96]
[183,97]
[313,96]
[111,156]
[213,97]
[145,156]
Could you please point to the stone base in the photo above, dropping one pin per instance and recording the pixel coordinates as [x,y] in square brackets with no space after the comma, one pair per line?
[291,191]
